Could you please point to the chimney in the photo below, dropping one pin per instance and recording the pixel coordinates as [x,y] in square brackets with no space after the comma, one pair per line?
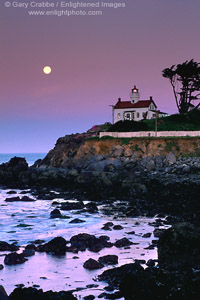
[151,98]
[119,99]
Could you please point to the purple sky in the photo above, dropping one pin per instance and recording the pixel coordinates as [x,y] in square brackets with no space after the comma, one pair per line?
[94,60]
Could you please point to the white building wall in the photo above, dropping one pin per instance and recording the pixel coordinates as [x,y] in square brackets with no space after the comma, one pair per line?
[141,111]
[121,111]
[149,134]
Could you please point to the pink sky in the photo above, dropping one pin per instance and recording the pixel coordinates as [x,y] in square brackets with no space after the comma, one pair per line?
[94,60]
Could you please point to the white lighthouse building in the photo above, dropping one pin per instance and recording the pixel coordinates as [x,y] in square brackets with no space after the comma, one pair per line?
[135,109]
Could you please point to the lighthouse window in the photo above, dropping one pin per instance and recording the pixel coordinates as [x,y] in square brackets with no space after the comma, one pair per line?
[138,115]
[127,116]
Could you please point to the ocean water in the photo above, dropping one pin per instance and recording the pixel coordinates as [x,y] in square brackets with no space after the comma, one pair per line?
[23,222]
[30,157]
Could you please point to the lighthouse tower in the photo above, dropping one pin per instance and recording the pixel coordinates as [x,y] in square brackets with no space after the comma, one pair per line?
[134,95]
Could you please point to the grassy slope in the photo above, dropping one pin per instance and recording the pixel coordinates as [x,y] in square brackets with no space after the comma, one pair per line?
[187,122]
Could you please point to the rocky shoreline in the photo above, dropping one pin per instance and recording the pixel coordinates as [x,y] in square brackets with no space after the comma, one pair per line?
[150,185]
[97,244]
[176,276]
[163,185]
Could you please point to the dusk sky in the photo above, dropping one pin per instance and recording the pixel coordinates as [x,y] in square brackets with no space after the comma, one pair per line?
[94,60]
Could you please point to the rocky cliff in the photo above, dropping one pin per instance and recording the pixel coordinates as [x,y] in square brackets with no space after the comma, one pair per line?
[147,173]
[74,149]
[142,146]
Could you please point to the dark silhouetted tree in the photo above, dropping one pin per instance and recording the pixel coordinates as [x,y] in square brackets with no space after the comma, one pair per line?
[185,82]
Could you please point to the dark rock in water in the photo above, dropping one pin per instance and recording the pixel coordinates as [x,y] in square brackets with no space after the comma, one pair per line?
[108,259]
[20,285]
[109,288]
[130,232]
[4,246]
[146,235]
[23,225]
[115,276]
[104,238]
[11,192]
[123,243]
[150,263]
[102,295]
[150,247]
[92,264]
[110,224]
[91,207]
[116,295]
[140,261]
[38,242]
[24,192]
[179,247]
[12,199]
[30,246]
[72,205]
[102,242]
[55,203]
[28,252]
[3,294]
[18,162]
[89,297]
[55,214]
[14,172]
[14,259]
[1,268]
[117,227]
[76,221]
[34,294]
[27,199]
[96,247]
[23,199]
[107,226]
[56,246]
[92,286]
[84,241]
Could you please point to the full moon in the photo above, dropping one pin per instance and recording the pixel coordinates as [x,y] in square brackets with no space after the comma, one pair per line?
[47,70]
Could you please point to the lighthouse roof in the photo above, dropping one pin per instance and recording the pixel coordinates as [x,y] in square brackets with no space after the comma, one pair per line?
[135,89]
[139,104]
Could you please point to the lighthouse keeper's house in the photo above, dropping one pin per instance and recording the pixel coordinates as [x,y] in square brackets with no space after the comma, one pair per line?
[135,109]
